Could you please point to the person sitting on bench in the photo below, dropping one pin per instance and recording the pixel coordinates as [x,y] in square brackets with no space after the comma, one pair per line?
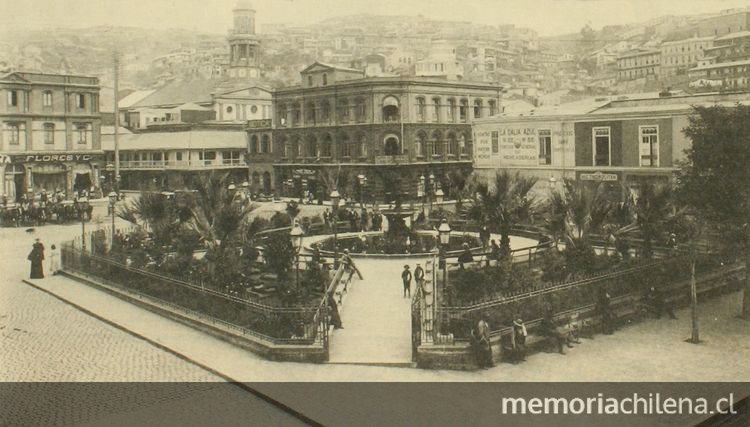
[548,329]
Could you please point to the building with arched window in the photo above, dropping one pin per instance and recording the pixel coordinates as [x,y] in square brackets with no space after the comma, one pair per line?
[390,129]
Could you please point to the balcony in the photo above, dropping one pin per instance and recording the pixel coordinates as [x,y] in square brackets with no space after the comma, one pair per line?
[182,164]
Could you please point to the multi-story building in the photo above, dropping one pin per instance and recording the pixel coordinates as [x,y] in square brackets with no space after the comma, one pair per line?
[730,47]
[390,129]
[625,141]
[729,75]
[50,133]
[725,23]
[638,65]
[680,55]
[174,155]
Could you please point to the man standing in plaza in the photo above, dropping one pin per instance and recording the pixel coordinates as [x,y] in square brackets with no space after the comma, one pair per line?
[406,278]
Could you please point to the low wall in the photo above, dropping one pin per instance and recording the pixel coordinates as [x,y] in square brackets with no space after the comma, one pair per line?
[459,356]
[310,353]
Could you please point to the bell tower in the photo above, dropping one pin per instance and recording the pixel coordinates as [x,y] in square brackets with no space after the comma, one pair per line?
[244,45]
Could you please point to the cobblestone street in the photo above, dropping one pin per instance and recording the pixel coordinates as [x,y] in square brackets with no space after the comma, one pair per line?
[43,339]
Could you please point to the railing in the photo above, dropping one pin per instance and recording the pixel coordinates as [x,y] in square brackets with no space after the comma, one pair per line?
[573,296]
[280,324]
[180,164]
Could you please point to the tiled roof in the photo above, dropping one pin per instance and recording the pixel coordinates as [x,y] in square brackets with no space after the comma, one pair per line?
[181,92]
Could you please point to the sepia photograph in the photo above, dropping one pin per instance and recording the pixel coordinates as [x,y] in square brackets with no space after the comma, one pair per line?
[390,213]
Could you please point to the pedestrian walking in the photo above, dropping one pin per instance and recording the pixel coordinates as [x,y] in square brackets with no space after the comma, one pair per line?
[605,312]
[54,260]
[419,276]
[480,337]
[406,278]
[36,256]
[518,338]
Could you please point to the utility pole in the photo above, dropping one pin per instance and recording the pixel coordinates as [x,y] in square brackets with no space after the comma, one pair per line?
[116,182]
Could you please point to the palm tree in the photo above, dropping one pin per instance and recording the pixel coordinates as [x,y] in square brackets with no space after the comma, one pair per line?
[576,212]
[460,185]
[503,205]
[155,213]
[217,217]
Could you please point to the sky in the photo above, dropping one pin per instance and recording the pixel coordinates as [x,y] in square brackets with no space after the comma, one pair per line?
[547,17]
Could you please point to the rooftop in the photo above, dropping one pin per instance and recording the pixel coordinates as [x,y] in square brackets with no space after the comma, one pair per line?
[198,139]
[721,65]
[737,35]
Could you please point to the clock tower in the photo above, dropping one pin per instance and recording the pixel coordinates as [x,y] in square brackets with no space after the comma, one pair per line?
[244,45]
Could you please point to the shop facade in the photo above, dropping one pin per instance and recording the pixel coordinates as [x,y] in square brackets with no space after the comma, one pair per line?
[28,174]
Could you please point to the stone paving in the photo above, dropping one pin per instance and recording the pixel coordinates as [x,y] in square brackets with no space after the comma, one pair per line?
[45,342]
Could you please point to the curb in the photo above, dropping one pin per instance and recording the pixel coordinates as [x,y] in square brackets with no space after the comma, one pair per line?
[181,356]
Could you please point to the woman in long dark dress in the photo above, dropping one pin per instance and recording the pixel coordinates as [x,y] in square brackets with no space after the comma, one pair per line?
[37,257]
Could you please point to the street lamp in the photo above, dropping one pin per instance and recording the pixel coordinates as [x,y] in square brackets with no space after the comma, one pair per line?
[335,199]
[296,234]
[439,195]
[362,181]
[111,169]
[444,233]
[112,201]
[83,206]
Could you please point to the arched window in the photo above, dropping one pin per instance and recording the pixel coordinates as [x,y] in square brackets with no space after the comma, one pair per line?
[310,113]
[346,146]
[434,148]
[419,148]
[463,107]
[256,179]
[296,117]
[463,143]
[436,109]
[297,148]
[452,144]
[360,110]
[325,111]
[362,145]
[265,144]
[309,81]
[282,115]
[312,147]
[420,109]
[287,148]
[390,109]
[493,107]
[326,148]
[477,108]
[325,79]
[451,112]
[254,144]
[392,146]
[343,107]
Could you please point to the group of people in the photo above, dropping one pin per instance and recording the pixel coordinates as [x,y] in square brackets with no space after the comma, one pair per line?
[365,220]
[407,276]
[36,257]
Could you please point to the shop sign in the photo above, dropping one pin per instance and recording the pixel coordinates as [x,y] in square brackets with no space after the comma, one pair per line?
[598,176]
[304,172]
[53,158]
[259,123]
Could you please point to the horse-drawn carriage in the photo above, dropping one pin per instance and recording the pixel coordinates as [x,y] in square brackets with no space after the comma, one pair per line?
[39,212]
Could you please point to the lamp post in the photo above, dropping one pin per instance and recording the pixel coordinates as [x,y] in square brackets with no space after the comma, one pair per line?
[444,232]
[335,199]
[421,190]
[439,195]
[430,188]
[83,206]
[112,201]
[110,168]
[362,181]
[296,234]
